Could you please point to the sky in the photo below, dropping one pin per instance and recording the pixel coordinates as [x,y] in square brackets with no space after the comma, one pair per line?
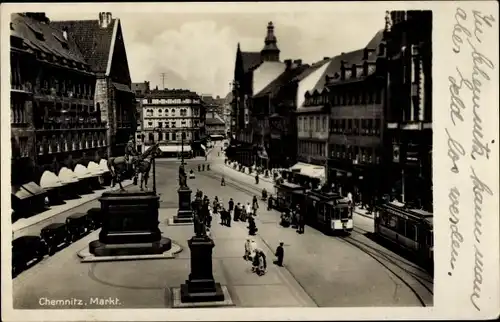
[197,50]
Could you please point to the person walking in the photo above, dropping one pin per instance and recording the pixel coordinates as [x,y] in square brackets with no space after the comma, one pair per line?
[252,227]
[255,205]
[261,270]
[301,224]
[247,254]
[280,254]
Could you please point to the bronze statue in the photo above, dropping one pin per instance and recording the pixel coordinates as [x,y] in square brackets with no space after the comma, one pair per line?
[182,177]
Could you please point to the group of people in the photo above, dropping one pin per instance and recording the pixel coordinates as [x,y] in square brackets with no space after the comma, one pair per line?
[239,211]
[293,217]
[201,167]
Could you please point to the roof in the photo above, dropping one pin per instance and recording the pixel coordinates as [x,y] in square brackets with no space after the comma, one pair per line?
[94,42]
[171,93]
[142,87]
[250,60]
[217,120]
[350,58]
[265,74]
[286,77]
[311,69]
[52,43]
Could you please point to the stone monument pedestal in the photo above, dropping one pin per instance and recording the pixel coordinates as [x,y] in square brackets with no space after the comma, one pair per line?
[185,213]
[201,286]
[129,225]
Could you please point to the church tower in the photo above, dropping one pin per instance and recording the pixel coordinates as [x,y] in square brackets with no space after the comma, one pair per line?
[270,52]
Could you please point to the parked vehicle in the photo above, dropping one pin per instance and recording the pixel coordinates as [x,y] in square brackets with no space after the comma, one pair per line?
[26,250]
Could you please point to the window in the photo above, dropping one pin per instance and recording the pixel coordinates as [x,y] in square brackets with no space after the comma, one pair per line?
[149,112]
[411,230]
[160,112]
[183,123]
[317,124]
[377,126]
[160,124]
[378,96]
[173,124]
[166,125]
[392,222]
[173,112]
[166,112]
[160,136]
[150,124]
[323,126]
[151,137]
[356,126]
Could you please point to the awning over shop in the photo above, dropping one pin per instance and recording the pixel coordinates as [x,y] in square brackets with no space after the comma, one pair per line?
[174,148]
[94,168]
[67,176]
[82,172]
[20,193]
[122,87]
[49,180]
[310,170]
[103,165]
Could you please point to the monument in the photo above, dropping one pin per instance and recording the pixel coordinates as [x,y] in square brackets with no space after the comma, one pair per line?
[184,213]
[129,225]
[201,286]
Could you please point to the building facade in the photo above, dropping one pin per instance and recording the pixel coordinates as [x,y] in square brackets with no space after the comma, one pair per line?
[409,117]
[174,117]
[102,45]
[54,121]
[214,124]
[357,96]
[140,90]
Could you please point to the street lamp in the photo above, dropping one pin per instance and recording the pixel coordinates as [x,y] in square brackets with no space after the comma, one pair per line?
[157,130]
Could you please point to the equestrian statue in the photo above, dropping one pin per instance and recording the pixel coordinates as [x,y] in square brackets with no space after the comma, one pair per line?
[132,162]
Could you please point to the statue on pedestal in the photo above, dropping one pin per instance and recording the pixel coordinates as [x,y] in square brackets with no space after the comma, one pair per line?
[182,177]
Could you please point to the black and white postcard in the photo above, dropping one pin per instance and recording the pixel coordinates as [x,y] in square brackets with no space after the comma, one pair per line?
[250,161]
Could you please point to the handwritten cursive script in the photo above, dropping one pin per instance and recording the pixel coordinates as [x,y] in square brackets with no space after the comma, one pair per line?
[467,42]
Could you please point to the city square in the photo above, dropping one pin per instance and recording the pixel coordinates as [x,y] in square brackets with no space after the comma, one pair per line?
[302,185]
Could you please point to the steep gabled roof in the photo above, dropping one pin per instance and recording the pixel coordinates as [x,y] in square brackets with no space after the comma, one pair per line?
[350,58]
[250,60]
[286,77]
[50,40]
[94,42]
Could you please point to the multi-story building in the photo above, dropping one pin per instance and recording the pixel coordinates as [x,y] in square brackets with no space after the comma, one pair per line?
[140,90]
[227,113]
[215,124]
[357,95]
[253,71]
[176,119]
[409,110]
[102,45]
[54,120]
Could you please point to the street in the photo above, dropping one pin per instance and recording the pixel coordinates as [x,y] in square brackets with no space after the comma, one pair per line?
[318,270]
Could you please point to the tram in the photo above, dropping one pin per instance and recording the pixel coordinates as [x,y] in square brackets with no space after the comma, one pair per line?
[329,211]
[409,229]
[287,195]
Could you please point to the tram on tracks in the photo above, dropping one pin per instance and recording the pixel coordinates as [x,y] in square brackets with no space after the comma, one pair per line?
[329,211]
[287,195]
[409,229]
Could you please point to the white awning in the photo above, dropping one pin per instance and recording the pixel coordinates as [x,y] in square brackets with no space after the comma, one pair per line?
[174,148]
[94,168]
[203,147]
[103,165]
[67,176]
[310,170]
[49,180]
[82,172]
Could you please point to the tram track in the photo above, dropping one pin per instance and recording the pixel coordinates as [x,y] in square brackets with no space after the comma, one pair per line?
[422,291]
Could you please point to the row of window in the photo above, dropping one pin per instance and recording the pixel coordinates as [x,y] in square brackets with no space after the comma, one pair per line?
[167,136]
[18,113]
[23,148]
[63,144]
[312,148]
[169,101]
[172,124]
[351,97]
[312,123]
[355,153]
[166,112]
[356,126]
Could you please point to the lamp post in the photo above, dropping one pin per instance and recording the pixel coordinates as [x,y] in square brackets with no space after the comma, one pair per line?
[154,161]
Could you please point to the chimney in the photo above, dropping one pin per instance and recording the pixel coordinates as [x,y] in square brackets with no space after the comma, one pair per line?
[105,19]
[40,16]
[365,54]
[297,62]
[342,69]
[288,63]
